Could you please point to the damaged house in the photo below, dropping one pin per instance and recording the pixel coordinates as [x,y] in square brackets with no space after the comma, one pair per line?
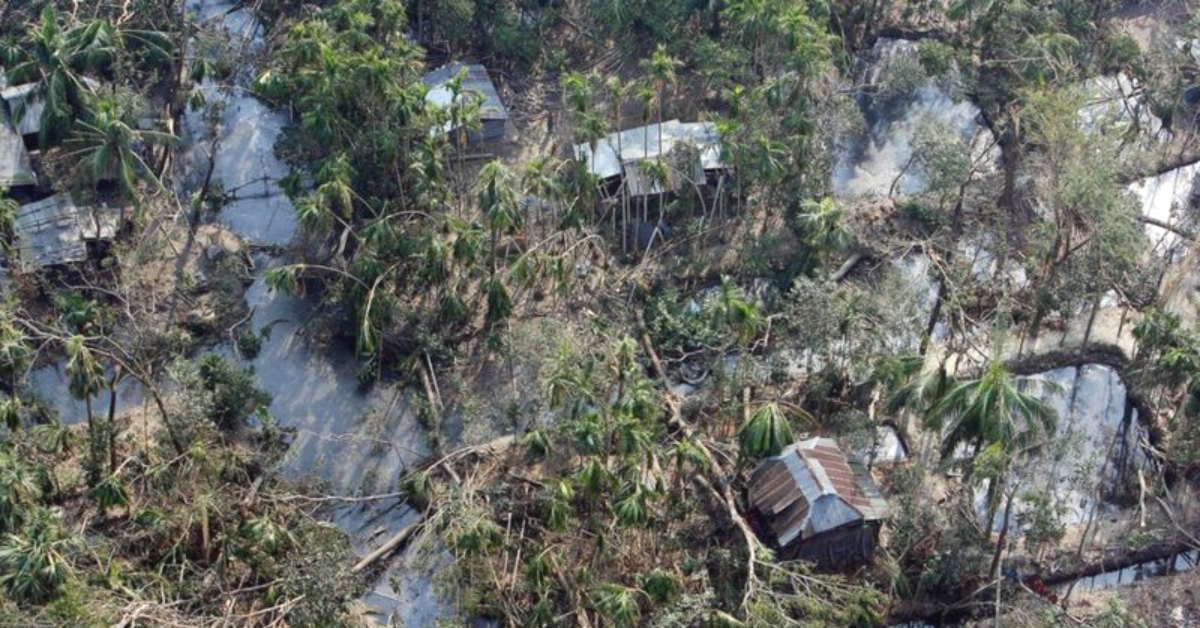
[56,232]
[811,503]
[692,151]
[475,83]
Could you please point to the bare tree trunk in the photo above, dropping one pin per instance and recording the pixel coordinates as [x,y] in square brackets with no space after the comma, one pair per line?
[112,420]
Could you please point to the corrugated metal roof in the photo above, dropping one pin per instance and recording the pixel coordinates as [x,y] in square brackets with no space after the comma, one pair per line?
[55,231]
[15,167]
[811,488]
[622,153]
[476,80]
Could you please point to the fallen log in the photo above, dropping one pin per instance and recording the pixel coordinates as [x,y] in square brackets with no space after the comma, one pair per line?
[392,544]
[493,447]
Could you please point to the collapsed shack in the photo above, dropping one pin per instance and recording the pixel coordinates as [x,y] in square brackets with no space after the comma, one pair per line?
[810,503]
[476,83]
[621,159]
[55,232]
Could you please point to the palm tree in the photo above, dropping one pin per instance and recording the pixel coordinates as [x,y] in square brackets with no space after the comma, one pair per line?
[541,181]
[52,60]
[733,311]
[822,225]
[618,93]
[106,148]
[14,352]
[765,433]
[993,409]
[55,59]
[661,68]
[86,377]
[497,193]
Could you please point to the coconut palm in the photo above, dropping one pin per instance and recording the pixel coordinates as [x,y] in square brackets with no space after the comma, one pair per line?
[995,409]
[107,148]
[55,61]
[766,432]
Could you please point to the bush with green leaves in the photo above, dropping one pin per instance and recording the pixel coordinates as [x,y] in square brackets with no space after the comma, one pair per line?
[234,395]
[36,562]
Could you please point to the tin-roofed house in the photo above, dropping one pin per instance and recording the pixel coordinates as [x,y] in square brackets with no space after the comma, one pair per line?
[16,169]
[56,232]
[812,504]
[492,115]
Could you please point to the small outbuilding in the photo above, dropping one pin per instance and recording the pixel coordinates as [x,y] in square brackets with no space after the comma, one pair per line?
[811,503]
[16,169]
[492,115]
[55,232]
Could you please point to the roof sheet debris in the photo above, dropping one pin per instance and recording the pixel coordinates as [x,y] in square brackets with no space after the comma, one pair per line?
[476,81]
[811,488]
[26,111]
[55,231]
[15,167]
[623,153]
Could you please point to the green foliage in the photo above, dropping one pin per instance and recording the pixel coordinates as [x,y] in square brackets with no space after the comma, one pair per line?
[477,536]
[619,605]
[234,394]
[821,226]
[1041,521]
[20,493]
[994,409]
[56,60]
[110,493]
[35,563]
[107,148]
[1168,360]
[766,433]
[249,345]
[660,586]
